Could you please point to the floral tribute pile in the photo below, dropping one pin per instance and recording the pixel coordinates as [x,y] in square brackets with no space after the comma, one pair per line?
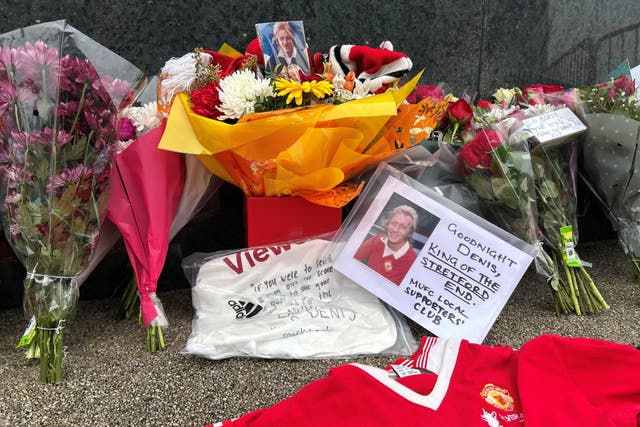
[74,150]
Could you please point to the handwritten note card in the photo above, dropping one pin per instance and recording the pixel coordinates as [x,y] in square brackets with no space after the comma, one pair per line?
[462,276]
[554,126]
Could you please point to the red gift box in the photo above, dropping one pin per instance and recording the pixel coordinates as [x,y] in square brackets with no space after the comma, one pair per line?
[279,219]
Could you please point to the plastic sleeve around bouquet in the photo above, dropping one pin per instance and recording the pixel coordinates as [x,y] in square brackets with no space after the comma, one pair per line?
[497,167]
[291,151]
[611,169]
[435,164]
[199,186]
[285,301]
[59,133]
[555,171]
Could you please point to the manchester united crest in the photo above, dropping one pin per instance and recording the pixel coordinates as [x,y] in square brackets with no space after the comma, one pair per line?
[497,397]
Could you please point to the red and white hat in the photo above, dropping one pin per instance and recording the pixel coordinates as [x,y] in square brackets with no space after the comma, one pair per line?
[382,65]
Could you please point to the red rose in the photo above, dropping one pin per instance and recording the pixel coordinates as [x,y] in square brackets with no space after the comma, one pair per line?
[477,153]
[489,139]
[206,100]
[469,158]
[487,105]
[460,112]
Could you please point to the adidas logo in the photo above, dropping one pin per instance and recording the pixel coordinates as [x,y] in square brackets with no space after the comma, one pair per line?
[244,309]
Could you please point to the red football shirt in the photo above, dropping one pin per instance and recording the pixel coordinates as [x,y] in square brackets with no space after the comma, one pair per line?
[551,381]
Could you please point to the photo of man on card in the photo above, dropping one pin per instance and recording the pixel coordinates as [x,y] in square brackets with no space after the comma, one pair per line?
[284,48]
[395,243]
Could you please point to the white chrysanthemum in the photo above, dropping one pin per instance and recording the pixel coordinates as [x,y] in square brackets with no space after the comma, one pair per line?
[240,92]
[144,118]
[496,115]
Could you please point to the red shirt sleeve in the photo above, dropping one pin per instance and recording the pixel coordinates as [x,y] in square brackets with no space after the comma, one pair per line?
[579,382]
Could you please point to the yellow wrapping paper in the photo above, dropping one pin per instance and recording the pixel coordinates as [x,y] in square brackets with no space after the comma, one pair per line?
[298,151]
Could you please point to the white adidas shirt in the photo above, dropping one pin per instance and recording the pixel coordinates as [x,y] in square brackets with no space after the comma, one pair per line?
[284,301]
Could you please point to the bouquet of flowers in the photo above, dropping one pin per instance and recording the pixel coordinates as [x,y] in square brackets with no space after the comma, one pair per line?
[58,127]
[270,134]
[496,165]
[155,193]
[609,157]
[554,168]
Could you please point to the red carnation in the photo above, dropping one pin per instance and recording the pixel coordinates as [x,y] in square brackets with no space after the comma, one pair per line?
[206,100]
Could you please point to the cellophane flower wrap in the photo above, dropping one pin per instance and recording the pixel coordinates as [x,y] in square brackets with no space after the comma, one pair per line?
[496,164]
[610,157]
[272,136]
[59,127]
[555,170]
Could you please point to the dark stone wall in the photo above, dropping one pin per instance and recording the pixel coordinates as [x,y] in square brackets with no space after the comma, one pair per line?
[475,46]
[443,37]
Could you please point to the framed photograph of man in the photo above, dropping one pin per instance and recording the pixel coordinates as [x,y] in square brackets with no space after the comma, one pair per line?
[446,268]
[284,48]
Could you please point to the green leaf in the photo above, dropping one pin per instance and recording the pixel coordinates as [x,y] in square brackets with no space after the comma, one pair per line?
[481,185]
[548,189]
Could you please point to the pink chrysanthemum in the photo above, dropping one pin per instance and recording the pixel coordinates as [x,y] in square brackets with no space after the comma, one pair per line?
[12,96]
[67,176]
[7,61]
[40,63]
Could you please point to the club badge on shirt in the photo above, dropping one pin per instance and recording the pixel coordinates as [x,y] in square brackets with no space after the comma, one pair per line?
[497,396]
[388,266]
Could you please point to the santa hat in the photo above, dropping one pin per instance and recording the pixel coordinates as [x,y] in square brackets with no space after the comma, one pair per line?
[381,65]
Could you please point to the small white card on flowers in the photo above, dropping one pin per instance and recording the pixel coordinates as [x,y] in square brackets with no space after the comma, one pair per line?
[554,126]
[465,268]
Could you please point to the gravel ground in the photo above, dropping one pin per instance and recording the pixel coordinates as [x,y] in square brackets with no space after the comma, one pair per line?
[110,380]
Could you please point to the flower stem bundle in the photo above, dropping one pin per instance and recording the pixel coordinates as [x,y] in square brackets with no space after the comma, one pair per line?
[58,132]
[574,289]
